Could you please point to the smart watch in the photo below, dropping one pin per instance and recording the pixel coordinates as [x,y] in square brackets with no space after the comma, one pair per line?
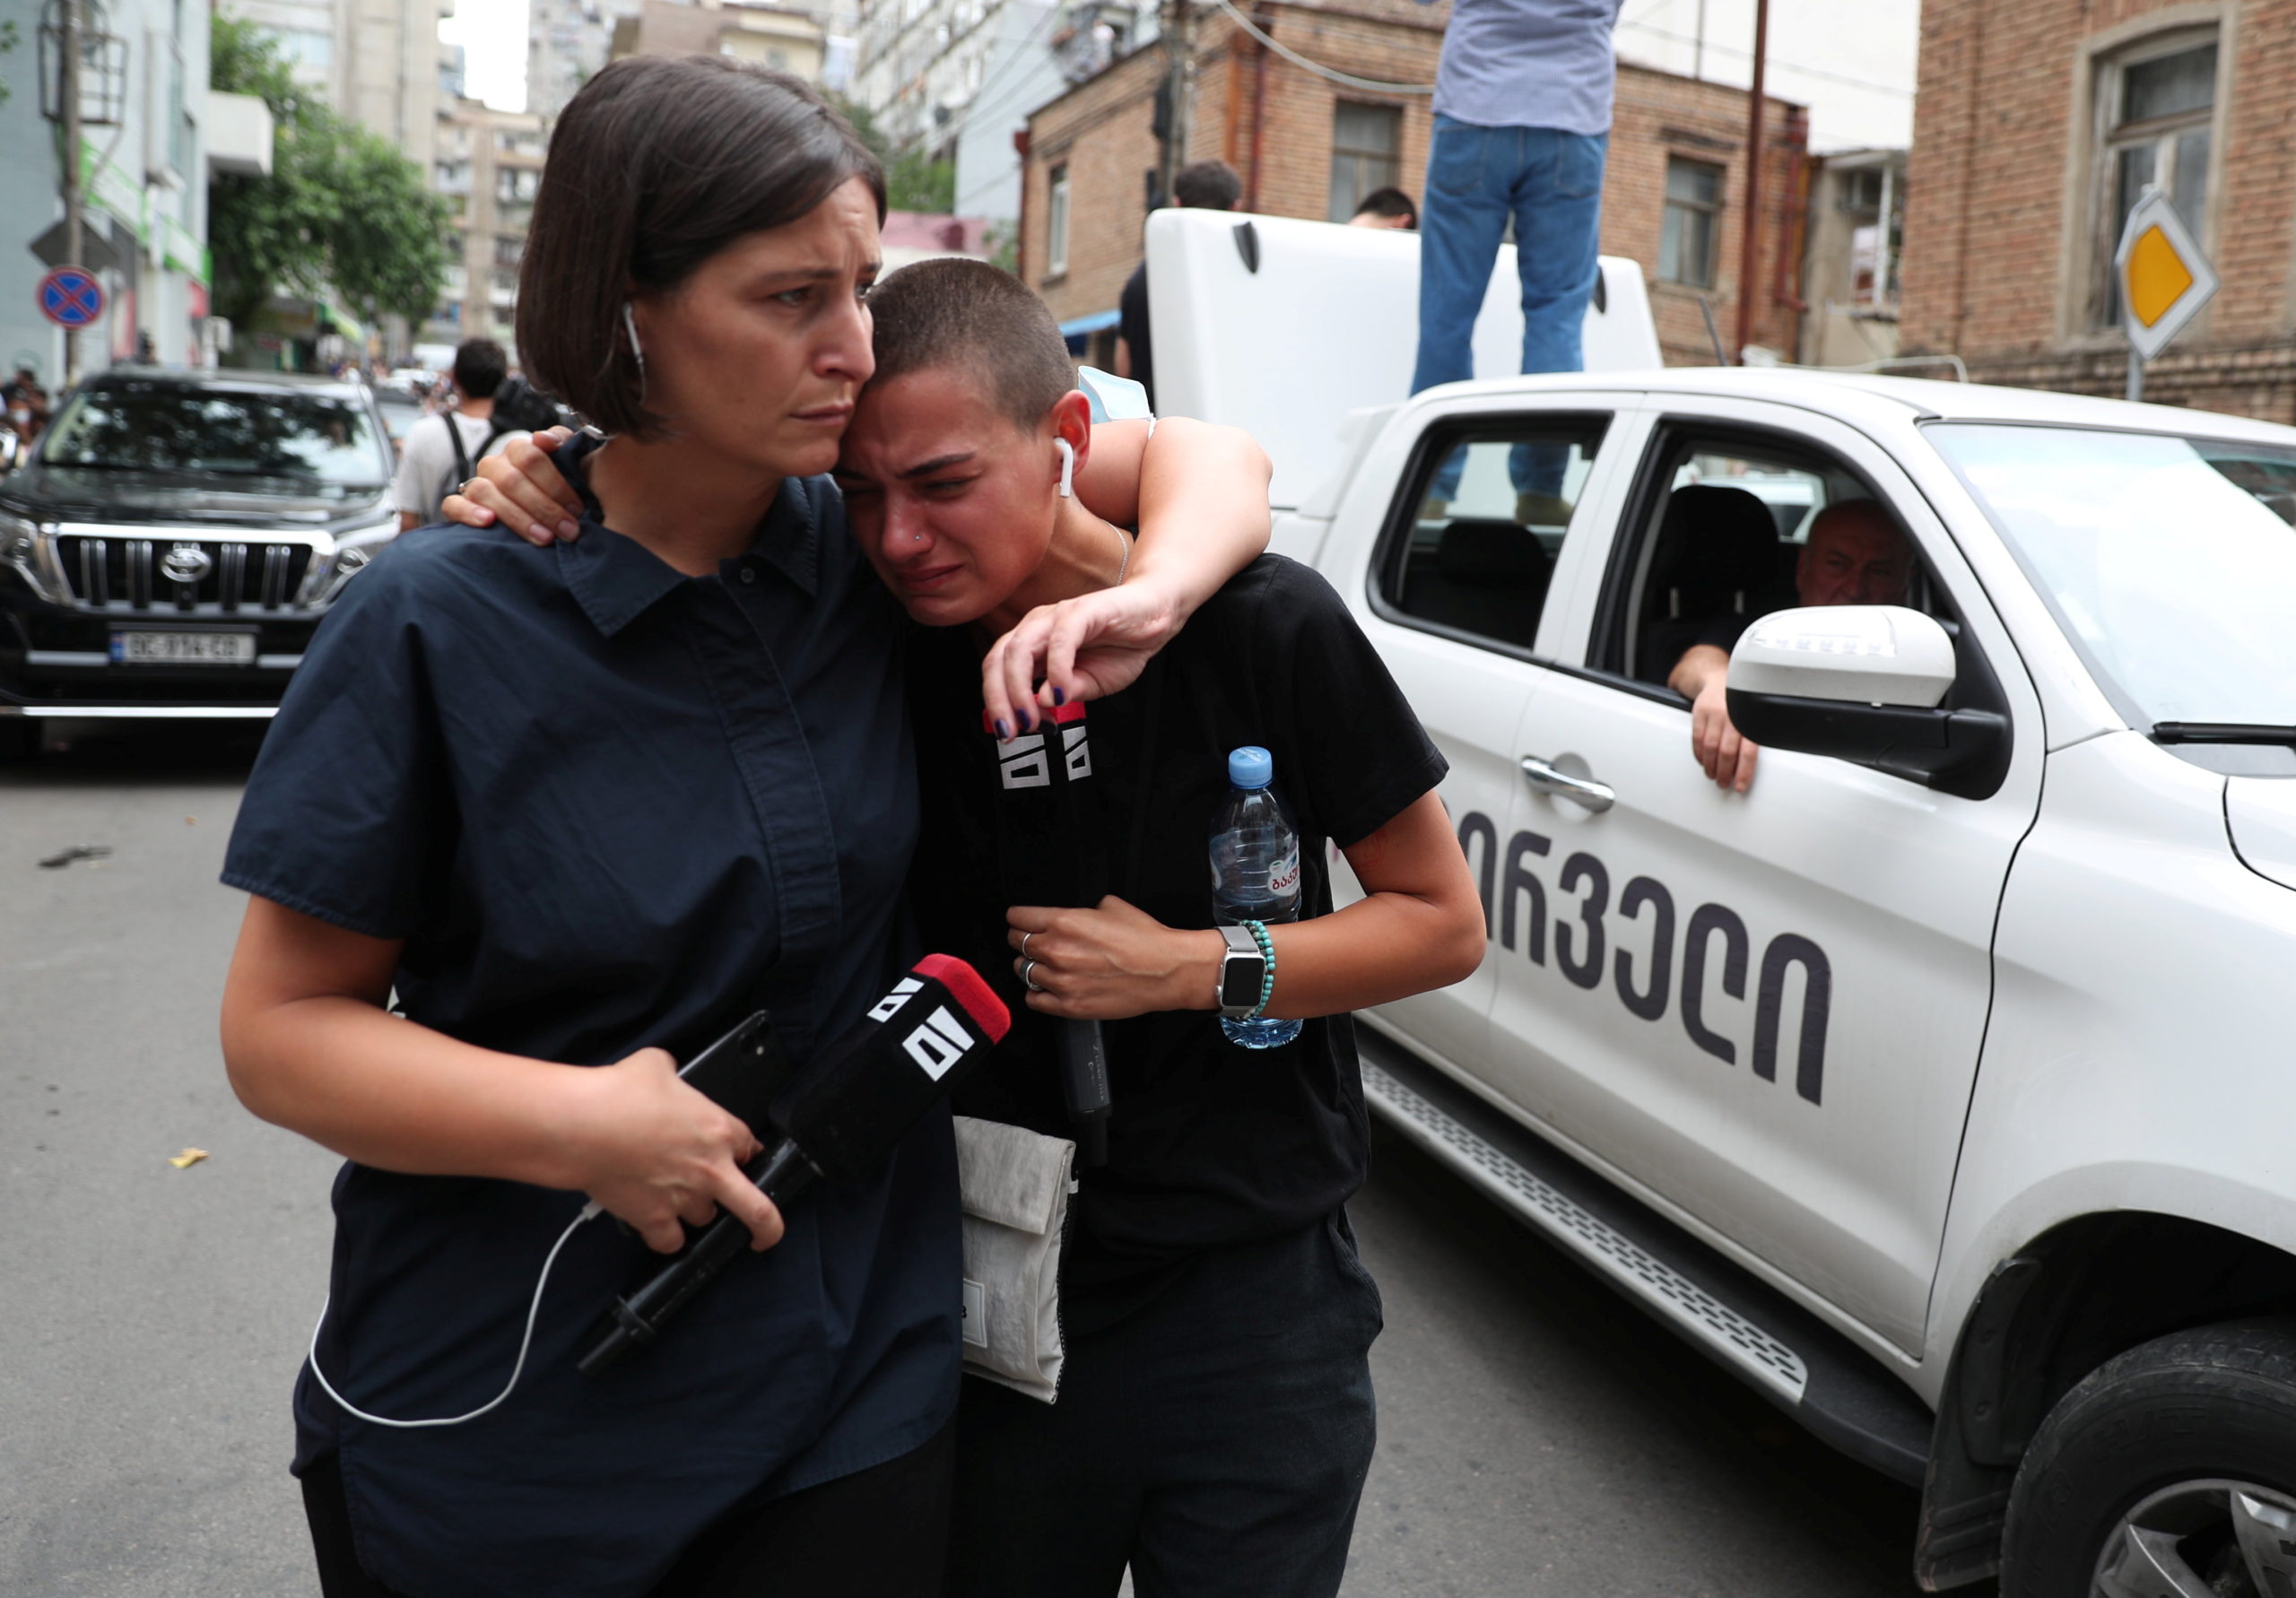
[1243,974]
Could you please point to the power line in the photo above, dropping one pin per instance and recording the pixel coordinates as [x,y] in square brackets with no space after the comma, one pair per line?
[1317,67]
[1051,12]
[1651,9]
[1809,72]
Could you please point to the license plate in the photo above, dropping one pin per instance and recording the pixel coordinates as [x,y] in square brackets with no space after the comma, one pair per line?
[183,648]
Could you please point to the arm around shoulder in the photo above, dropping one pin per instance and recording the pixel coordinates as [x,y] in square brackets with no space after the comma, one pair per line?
[1198,494]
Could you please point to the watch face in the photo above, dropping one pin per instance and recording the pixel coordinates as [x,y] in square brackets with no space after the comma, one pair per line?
[1240,978]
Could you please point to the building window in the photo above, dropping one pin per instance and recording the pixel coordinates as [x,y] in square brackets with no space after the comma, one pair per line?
[1366,147]
[2156,108]
[1056,255]
[304,48]
[1686,241]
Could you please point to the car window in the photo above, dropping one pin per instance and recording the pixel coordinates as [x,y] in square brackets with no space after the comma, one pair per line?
[2169,561]
[1482,522]
[1718,543]
[225,432]
[1792,494]
[400,413]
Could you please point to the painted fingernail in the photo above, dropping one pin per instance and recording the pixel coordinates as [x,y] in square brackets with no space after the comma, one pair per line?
[1004,732]
[1025,722]
[1059,695]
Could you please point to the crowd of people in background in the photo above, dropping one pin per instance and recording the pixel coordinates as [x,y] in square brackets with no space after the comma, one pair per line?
[26,403]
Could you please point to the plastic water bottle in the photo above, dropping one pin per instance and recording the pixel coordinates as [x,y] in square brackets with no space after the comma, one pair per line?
[1255,873]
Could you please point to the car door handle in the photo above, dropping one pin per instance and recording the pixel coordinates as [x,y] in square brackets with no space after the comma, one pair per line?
[1546,777]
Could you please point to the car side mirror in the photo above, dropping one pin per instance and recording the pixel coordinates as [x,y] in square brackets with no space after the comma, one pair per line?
[1865,682]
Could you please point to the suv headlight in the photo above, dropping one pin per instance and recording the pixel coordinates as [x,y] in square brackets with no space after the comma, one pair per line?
[29,550]
[352,552]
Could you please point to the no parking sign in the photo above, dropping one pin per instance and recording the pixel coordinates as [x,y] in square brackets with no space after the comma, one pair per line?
[70,297]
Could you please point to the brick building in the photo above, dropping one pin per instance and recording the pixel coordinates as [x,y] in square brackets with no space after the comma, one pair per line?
[1306,146]
[2038,126]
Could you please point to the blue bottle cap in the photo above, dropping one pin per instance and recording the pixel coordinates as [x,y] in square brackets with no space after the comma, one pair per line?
[1251,767]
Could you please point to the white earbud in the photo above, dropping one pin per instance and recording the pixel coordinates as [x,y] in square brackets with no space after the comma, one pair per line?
[629,326]
[1068,468]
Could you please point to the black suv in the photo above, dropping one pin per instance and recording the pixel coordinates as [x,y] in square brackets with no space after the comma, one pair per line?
[171,541]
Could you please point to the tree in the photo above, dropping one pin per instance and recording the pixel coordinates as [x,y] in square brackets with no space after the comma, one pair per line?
[917,181]
[340,206]
[914,179]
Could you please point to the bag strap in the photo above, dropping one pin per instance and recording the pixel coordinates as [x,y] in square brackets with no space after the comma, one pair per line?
[462,456]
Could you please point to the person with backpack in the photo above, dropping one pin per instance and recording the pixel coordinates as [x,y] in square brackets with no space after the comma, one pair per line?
[442,449]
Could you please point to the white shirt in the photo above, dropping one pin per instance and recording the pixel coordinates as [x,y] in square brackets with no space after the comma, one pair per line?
[427,470]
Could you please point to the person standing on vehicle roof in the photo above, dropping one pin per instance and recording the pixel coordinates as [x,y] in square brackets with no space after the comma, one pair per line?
[1855,555]
[1522,129]
[439,448]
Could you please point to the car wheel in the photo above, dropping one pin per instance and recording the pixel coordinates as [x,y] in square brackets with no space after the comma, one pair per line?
[2169,1472]
[19,738]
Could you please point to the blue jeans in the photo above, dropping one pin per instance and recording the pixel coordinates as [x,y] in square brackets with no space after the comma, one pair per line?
[1552,183]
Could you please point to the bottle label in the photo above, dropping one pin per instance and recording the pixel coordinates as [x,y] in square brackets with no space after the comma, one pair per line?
[1284,876]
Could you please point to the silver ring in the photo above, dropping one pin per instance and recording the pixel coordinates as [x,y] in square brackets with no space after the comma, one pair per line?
[1027,977]
[466,487]
[1024,944]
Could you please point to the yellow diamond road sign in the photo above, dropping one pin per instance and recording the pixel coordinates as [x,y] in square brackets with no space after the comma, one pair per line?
[2164,279]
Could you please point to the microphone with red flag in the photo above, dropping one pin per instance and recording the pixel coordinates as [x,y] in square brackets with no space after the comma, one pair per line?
[839,1121]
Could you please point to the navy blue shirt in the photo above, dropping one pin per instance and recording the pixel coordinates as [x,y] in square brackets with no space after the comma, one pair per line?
[606,806]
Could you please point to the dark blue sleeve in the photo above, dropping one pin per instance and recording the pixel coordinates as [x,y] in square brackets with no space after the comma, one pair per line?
[1722,631]
[347,811]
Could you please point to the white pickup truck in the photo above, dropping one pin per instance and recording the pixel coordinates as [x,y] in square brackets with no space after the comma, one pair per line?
[1941,1084]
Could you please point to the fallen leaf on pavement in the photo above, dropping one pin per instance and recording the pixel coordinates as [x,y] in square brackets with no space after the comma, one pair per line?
[187,1159]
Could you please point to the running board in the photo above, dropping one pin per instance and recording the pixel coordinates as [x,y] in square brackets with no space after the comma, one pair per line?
[1786,1354]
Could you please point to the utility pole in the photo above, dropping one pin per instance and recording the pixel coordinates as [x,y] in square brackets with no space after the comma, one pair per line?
[1749,232]
[68,89]
[1179,47]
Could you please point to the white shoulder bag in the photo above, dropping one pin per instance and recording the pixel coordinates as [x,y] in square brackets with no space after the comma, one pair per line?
[1016,1184]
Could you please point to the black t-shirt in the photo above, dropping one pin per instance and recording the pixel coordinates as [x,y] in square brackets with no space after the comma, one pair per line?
[1209,1144]
[1724,631]
[1132,326]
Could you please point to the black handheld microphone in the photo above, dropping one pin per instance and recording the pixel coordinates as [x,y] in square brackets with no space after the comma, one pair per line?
[1053,855]
[840,1120]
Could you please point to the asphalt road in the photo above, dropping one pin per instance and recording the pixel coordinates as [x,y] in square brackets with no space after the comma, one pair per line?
[1538,1435]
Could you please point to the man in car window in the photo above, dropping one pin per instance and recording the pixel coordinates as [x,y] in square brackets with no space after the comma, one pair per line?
[1855,555]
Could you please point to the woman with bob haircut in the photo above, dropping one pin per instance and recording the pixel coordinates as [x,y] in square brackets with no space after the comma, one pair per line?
[534,823]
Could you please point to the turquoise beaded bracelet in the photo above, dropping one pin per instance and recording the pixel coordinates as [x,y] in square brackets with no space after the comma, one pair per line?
[1259,933]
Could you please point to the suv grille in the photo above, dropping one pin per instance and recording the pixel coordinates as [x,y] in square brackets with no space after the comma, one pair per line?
[148,574]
